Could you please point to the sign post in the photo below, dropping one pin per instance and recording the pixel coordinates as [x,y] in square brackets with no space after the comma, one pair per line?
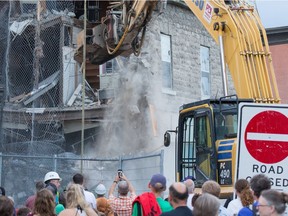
[263,143]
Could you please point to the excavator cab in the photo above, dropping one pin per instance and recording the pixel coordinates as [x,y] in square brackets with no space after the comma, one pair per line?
[206,141]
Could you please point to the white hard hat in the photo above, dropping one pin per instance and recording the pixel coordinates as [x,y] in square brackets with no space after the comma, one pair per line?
[100,189]
[51,175]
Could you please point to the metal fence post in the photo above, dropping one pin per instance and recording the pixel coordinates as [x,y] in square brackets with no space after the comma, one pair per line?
[162,161]
[120,162]
[55,162]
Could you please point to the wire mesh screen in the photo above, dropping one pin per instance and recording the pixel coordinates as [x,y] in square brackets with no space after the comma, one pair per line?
[24,57]
[140,170]
[34,79]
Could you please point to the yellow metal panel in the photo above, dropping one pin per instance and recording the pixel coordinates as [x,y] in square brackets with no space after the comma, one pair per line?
[195,108]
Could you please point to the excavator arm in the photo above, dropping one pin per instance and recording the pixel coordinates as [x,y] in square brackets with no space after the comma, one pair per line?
[233,24]
[236,27]
[121,31]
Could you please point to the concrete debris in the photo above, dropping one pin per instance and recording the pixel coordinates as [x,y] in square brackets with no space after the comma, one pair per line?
[44,87]
[134,109]
[90,99]
[64,13]
[146,63]
[17,28]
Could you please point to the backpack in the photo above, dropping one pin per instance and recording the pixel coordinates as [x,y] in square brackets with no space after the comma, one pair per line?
[148,204]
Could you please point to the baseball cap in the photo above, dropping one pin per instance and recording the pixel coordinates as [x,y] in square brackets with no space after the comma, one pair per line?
[158,179]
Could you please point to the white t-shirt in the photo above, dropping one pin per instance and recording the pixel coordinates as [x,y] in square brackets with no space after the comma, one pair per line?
[223,211]
[234,206]
[189,201]
[90,198]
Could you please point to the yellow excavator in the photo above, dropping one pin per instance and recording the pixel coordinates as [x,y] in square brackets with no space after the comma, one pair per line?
[207,130]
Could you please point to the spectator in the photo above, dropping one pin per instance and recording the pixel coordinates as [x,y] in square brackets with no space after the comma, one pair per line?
[258,183]
[122,204]
[272,203]
[31,199]
[62,199]
[205,205]
[194,198]
[100,190]
[44,204]
[151,202]
[53,189]
[103,207]
[13,203]
[6,205]
[23,211]
[213,188]
[178,195]
[228,200]
[76,205]
[89,197]
[190,185]
[244,197]
[2,191]
[52,178]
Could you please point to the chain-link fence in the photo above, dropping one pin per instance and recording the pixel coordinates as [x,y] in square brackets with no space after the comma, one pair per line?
[20,172]
[33,78]
[41,76]
[42,116]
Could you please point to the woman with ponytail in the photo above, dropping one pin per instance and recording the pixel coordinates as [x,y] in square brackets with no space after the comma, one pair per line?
[244,197]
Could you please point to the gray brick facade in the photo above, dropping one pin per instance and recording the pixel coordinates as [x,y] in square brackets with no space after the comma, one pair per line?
[187,35]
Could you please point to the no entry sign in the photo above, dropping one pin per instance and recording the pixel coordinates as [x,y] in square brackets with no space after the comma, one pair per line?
[266,136]
[263,143]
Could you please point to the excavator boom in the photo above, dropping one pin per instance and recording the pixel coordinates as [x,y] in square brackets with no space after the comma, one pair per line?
[233,24]
[237,26]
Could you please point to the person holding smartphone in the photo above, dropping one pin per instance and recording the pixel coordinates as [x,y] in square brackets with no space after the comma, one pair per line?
[121,204]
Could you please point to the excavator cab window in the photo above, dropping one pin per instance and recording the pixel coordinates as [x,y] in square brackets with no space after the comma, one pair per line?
[225,125]
[196,140]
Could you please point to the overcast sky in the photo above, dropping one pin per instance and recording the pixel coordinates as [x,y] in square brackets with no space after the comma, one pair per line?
[273,13]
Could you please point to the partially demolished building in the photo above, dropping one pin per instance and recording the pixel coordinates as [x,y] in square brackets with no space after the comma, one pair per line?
[43,81]
[41,88]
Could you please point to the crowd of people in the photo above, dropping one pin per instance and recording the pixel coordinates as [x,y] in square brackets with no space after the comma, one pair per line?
[254,197]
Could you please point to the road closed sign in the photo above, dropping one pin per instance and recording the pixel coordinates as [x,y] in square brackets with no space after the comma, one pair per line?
[263,143]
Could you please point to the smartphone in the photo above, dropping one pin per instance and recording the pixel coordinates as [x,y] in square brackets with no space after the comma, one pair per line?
[120,173]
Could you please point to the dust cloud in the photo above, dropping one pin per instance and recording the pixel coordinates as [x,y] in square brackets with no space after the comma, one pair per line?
[126,124]
[133,123]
